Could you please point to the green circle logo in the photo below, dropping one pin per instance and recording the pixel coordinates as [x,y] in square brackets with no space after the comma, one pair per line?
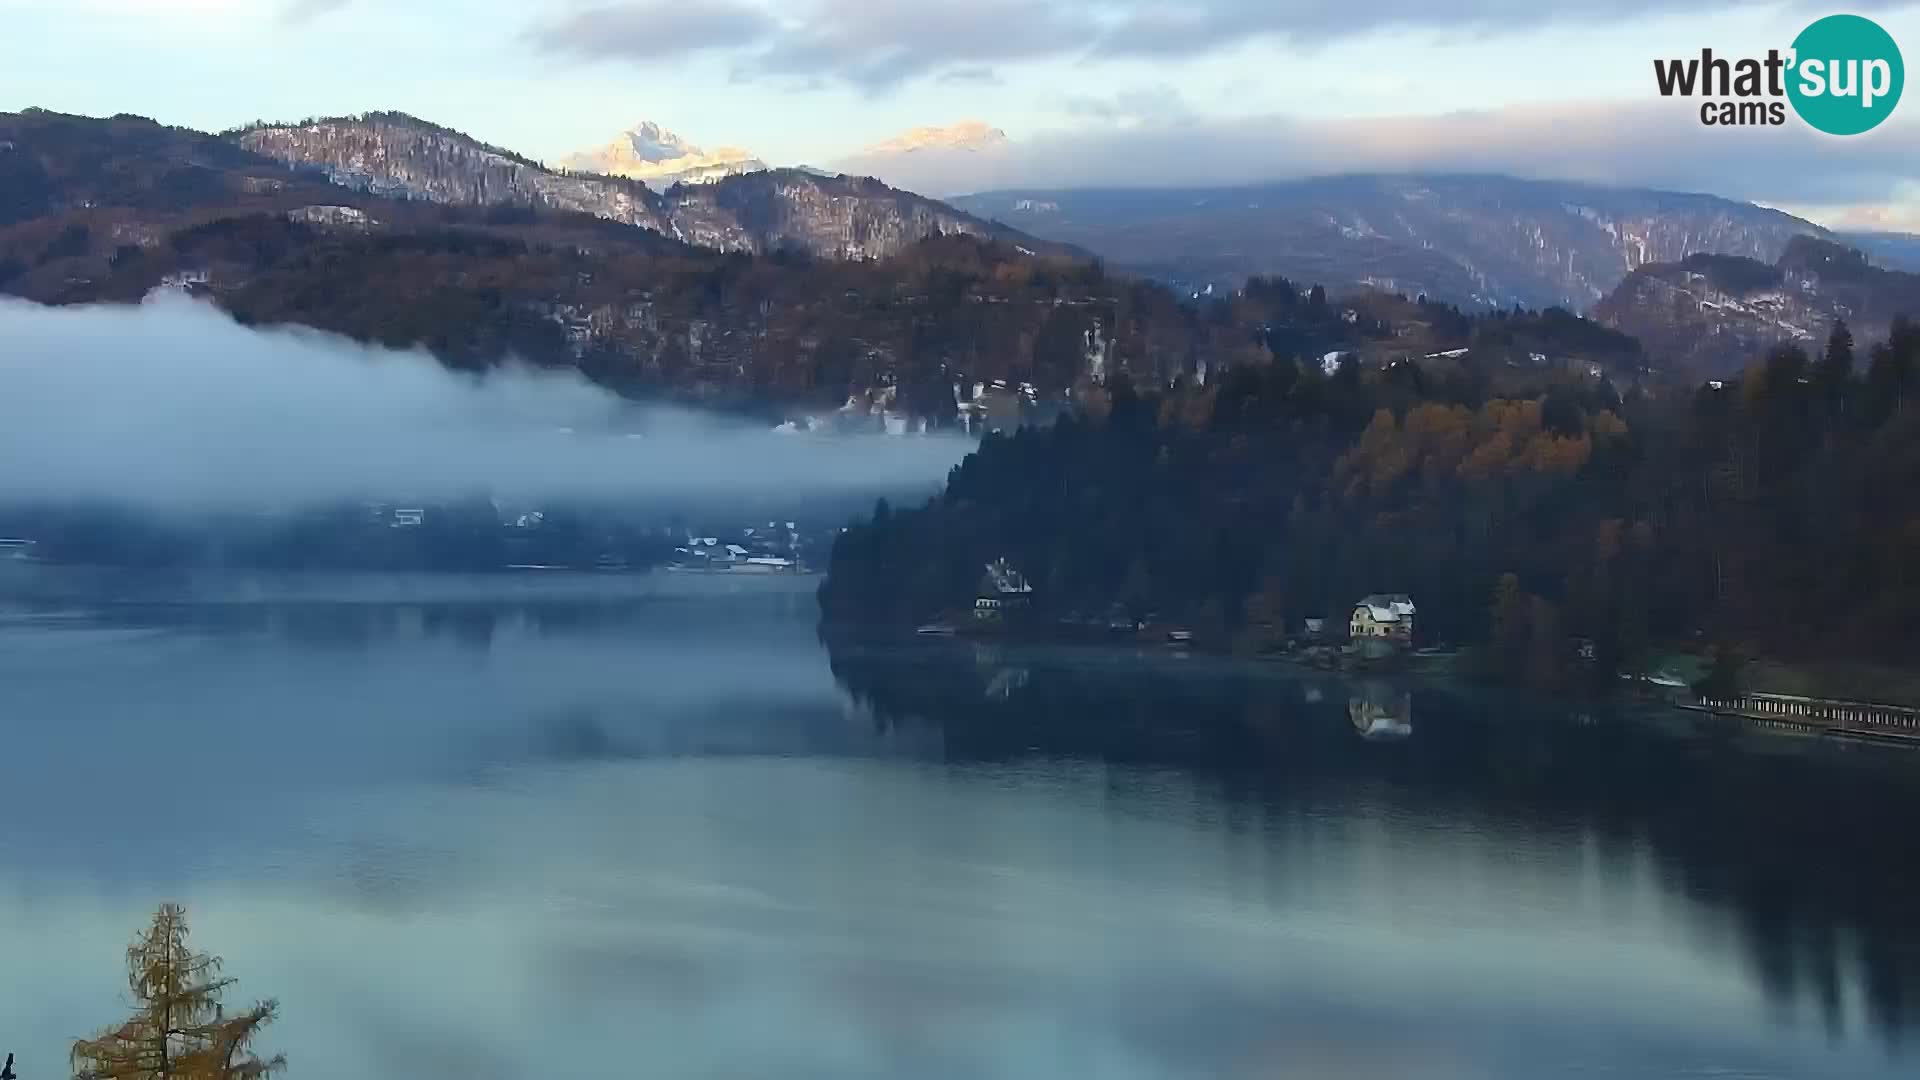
[1846,75]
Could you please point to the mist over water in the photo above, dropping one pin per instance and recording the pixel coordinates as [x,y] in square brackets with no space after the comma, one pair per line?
[172,404]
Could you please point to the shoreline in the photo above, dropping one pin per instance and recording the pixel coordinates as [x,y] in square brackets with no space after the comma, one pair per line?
[1639,703]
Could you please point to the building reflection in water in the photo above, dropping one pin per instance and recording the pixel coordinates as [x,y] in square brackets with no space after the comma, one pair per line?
[1380,711]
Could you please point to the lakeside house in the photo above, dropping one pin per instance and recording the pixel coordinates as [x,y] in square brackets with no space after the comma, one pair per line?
[765,564]
[1383,617]
[1002,590]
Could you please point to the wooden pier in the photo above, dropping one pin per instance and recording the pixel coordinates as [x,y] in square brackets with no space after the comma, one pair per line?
[1822,716]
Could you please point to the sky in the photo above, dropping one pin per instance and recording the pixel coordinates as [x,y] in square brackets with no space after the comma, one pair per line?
[1090,92]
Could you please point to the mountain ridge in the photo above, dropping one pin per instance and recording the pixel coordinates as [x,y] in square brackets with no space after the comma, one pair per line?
[1473,238]
[1714,313]
[810,292]
[400,155]
[834,216]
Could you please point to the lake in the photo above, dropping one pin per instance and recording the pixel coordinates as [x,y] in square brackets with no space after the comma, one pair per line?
[570,825]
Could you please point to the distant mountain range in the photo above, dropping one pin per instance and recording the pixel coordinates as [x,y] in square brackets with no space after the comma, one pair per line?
[1469,239]
[1895,250]
[1714,314]
[105,209]
[1472,240]
[661,159]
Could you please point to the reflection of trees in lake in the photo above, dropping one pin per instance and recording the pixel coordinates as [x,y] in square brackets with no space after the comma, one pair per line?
[359,625]
[1805,849]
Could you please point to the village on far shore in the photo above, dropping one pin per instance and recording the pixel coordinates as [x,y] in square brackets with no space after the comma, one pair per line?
[1378,634]
[1378,638]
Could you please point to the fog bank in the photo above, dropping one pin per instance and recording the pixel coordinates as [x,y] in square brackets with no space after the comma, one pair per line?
[172,403]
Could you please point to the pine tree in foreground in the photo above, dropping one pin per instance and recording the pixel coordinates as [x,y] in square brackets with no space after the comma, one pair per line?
[180,1031]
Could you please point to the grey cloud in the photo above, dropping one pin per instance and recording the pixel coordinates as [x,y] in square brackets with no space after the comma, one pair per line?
[873,44]
[1656,144]
[976,75]
[1158,103]
[655,29]
[171,403]
[878,44]
[1152,28]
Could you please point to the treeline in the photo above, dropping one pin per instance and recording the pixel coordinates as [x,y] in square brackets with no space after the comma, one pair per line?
[1558,529]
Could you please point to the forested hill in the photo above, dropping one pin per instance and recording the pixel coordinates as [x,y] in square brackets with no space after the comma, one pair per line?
[107,210]
[1772,512]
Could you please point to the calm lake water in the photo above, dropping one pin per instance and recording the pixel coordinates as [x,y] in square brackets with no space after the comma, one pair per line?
[608,826]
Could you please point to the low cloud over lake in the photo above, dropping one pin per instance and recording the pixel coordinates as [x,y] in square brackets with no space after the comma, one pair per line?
[173,403]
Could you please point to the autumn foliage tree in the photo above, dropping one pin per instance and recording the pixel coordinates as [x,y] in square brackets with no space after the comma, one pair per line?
[180,1030]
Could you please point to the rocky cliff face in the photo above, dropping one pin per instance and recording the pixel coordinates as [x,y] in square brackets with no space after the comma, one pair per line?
[840,217]
[1478,240]
[399,156]
[825,216]
[1713,314]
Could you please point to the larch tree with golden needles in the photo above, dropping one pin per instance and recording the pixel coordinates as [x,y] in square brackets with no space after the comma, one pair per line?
[181,1031]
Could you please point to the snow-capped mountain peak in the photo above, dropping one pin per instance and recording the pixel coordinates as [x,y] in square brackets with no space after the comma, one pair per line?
[651,142]
[651,153]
